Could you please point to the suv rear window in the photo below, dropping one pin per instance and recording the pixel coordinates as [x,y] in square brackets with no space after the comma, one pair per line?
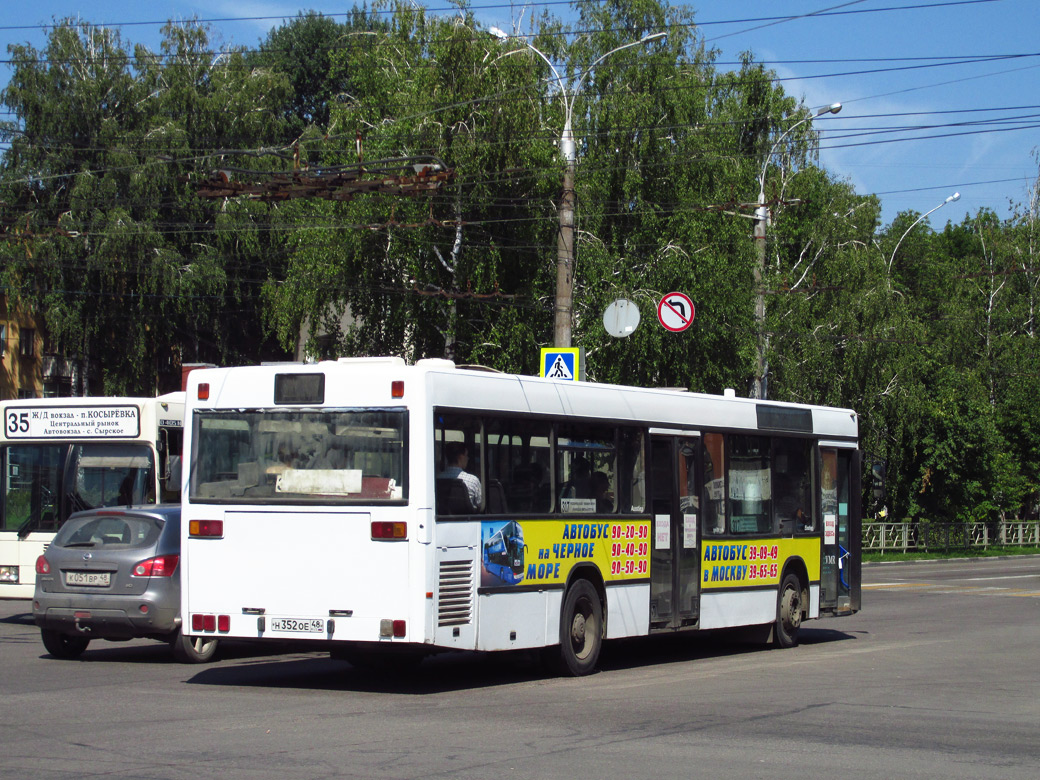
[110,530]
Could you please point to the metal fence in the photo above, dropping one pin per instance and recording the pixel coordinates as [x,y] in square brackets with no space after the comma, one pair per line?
[943,537]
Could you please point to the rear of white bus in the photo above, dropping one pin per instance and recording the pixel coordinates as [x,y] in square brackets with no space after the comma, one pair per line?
[296,518]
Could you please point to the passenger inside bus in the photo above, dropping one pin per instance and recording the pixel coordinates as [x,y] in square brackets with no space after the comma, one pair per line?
[456,459]
[601,492]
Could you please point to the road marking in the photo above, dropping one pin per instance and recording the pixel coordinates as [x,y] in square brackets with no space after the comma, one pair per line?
[936,588]
[1008,577]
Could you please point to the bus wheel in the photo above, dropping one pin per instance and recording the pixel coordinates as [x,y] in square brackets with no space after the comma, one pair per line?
[581,630]
[194,649]
[63,645]
[789,608]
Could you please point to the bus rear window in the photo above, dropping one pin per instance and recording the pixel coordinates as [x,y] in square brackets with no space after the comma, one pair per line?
[292,456]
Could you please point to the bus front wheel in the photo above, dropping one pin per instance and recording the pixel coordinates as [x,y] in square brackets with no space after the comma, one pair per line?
[789,607]
[581,631]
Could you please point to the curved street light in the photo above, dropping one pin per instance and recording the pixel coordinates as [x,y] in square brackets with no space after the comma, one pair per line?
[563,308]
[761,228]
[951,199]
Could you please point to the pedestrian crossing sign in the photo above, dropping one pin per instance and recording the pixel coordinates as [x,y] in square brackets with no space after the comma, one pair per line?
[563,363]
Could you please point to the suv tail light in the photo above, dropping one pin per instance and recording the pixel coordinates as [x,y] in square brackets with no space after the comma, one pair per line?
[43,566]
[160,566]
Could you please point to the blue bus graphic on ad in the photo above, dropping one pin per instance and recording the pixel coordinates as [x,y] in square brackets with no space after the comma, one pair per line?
[504,551]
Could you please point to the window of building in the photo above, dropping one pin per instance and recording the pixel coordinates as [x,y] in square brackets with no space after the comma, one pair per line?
[27,342]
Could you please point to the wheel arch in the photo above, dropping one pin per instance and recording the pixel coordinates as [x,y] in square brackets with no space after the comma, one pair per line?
[796,565]
[590,572]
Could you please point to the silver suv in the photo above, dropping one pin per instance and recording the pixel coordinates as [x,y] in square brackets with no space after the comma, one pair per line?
[112,573]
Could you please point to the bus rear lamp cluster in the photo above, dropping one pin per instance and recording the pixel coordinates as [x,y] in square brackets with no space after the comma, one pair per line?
[210,623]
[392,628]
[382,529]
[213,529]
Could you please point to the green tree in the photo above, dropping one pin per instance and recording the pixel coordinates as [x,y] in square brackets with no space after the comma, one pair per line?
[117,252]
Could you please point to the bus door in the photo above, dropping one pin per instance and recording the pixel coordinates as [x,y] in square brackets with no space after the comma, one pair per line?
[675,562]
[840,504]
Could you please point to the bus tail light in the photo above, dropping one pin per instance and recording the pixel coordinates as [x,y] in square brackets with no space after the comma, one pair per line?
[382,529]
[213,529]
[210,623]
[394,628]
[397,388]
[160,566]
[43,566]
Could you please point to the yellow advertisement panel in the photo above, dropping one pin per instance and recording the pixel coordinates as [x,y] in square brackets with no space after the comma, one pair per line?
[736,563]
[543,552]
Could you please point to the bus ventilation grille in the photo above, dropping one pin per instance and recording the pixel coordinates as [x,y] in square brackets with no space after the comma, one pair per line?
[455,605]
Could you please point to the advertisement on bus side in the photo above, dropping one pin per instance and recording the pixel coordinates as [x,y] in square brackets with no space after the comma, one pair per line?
[755,562]
[543,552]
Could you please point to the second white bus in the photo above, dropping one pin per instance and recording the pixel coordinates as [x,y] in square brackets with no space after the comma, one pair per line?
[61,455]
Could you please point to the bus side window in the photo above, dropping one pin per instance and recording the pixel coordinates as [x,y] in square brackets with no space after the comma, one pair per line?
[750,486]
[632,472]
[792,488]
[713,500]
[586,464]
[458,446]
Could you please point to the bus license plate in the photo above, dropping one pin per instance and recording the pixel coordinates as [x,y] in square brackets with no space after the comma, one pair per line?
[298,625]
[93,579]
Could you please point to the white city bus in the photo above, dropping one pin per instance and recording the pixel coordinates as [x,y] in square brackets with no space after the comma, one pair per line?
[324,502]
[61,455]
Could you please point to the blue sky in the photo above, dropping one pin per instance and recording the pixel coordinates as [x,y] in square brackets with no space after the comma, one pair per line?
[959,80]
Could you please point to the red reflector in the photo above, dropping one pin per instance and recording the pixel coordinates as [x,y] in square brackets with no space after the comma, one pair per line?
[204,528]
[161,566]
[203,391]
[387,530]
[144,609]
[224,623]
[397,389]
[42,566]
[81,615]
[196,622]
[399,628]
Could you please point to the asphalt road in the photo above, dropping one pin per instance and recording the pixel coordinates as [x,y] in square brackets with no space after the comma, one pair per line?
[938,677]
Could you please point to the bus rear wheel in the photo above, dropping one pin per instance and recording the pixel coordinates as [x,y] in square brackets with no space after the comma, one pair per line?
[581,631]
[63,645]
[789,608]
[194,649]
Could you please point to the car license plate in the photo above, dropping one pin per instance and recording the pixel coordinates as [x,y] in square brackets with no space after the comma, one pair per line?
[298,625]
[93,579]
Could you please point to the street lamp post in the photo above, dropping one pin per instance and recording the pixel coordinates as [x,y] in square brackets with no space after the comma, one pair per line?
[563,307]
[761,227]
[951,199]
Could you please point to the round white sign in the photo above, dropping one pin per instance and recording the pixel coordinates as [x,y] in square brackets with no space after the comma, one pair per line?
[621,318]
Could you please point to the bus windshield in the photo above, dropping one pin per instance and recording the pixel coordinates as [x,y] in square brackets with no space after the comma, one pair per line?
[265,456]
[44,483]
